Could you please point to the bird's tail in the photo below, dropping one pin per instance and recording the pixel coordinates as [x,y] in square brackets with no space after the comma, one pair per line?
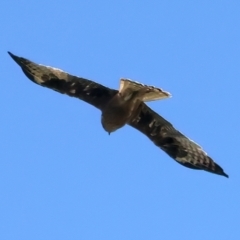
[151,94]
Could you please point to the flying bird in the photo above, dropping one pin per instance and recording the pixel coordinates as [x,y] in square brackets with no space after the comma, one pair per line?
[125,106]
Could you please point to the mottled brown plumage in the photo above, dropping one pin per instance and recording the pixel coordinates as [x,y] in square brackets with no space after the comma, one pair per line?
[125,106]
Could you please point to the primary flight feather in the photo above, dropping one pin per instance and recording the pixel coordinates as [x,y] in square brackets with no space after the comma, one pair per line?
[125,106]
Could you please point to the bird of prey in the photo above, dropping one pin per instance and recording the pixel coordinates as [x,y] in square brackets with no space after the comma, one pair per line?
[125,106]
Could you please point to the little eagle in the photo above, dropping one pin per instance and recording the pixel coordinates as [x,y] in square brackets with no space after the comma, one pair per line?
[125,106]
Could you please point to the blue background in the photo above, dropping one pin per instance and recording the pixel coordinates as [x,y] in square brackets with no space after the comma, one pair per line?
[63,177]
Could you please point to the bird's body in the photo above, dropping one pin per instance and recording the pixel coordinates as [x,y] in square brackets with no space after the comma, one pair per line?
[116,113]
[125,106]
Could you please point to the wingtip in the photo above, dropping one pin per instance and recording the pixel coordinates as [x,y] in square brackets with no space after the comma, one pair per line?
[14,57]
[220,171]
[10,53]
[225,175]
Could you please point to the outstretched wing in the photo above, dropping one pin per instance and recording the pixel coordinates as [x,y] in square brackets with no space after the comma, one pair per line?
[60,81]
[175,144]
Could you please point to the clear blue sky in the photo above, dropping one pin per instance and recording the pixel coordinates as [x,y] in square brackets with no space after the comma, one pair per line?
[63,177]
